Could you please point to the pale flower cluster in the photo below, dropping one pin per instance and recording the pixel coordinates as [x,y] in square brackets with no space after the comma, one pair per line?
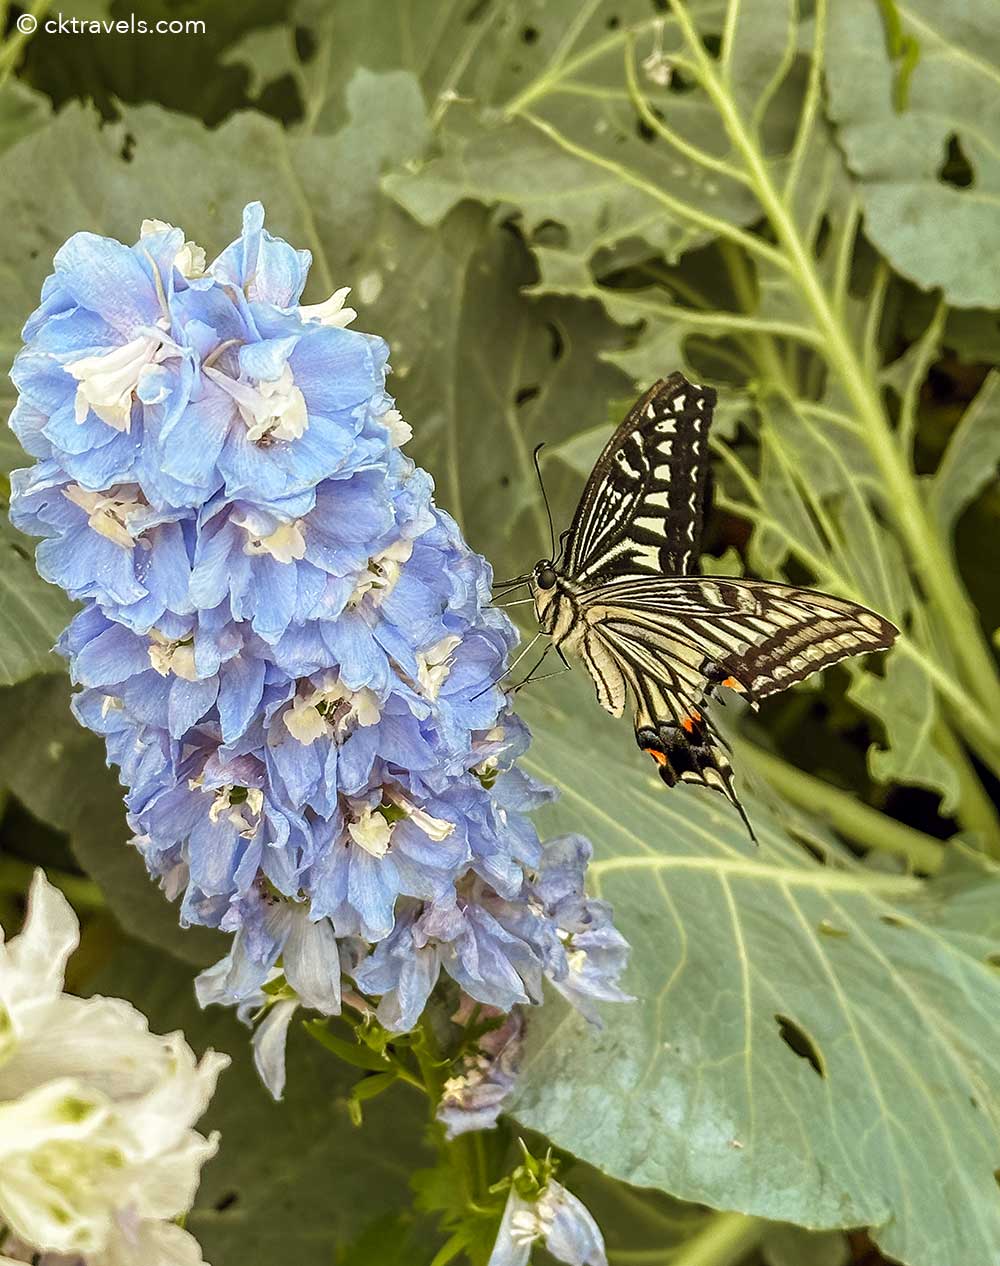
[98,1154]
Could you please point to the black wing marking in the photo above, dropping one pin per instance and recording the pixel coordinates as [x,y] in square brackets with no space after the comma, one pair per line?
[675,641]
[643,506]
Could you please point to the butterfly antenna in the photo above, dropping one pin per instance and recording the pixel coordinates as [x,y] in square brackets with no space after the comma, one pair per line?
[548,508]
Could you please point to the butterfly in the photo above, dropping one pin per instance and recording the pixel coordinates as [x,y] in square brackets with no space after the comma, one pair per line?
[625,595]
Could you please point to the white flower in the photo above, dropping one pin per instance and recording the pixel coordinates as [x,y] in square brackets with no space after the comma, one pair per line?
[435,665]
[108,382]
[189,260]
[111,512]
[97,1151]
[555,1216]
[331,311]
[331,708]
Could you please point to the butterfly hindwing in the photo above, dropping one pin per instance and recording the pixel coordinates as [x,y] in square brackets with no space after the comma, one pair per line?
[643,506]
[676,640]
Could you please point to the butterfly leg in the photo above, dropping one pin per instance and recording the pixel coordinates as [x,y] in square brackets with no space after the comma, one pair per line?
[545,676]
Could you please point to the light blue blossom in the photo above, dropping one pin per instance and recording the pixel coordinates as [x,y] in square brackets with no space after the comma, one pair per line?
[288,648]
[560,1220]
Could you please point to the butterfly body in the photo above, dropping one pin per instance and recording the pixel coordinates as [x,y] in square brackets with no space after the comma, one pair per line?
[626,598]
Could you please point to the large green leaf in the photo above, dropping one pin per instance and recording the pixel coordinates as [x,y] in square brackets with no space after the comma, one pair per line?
[812,1043]
[32,612]
[295,1181]
[57,770]
[936,227]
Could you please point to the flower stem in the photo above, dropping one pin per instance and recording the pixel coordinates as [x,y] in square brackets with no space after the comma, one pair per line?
[82,893]
[725,1240]
[843,811]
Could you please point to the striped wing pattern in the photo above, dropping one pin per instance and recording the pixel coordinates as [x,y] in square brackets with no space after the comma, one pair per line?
[642,509]
[675,642]
[626,597]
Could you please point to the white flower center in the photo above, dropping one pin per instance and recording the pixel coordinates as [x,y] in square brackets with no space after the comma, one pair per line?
[275,409]
[382,572]
[189,260]
[371,832]
[108,512]
[400,431]
[241,806]
[437,828]
[331,311]
[435,665]
[285,544]
[330,708]
[108,382]
[168,657]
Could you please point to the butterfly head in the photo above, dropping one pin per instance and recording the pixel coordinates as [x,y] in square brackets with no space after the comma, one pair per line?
[544,575]
[545,589]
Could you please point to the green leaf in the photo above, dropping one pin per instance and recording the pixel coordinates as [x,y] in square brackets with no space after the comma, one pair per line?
[972,457]
[769,1066]
[795,1246]
[32,612]
[295,1181]
[57,770]
[936,225]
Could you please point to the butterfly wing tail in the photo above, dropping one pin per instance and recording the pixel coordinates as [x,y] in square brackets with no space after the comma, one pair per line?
[693,753]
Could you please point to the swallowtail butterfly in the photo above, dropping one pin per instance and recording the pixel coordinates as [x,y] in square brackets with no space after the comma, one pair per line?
[625,595]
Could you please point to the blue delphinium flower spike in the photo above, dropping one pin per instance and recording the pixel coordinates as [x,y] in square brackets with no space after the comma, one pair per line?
[287,646]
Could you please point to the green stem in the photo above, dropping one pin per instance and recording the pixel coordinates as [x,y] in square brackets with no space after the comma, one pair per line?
[843,811]
[928,552]
[725,1240]
[82,893]
[12,47]
[976,809]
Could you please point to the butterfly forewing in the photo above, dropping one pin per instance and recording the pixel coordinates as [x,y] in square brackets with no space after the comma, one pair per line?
[642,509]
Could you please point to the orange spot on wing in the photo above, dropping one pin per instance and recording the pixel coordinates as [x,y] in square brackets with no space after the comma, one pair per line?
[687,723]
[733,684]
[659,757]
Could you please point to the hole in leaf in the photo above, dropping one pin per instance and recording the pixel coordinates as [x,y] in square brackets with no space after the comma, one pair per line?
[128,147]
[678,84]
[477,11]
[226,1202]
[505,481]
[550,233]
[892,921]
[529,34]
[799,1041]
[822,236]
[525,394]
[557,345]
[645,132]
[713,44]
[993,960]
[956,170]
[974,1101]
[613,23]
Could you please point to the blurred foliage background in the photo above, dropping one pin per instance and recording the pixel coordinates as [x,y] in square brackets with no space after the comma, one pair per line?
[544,205]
